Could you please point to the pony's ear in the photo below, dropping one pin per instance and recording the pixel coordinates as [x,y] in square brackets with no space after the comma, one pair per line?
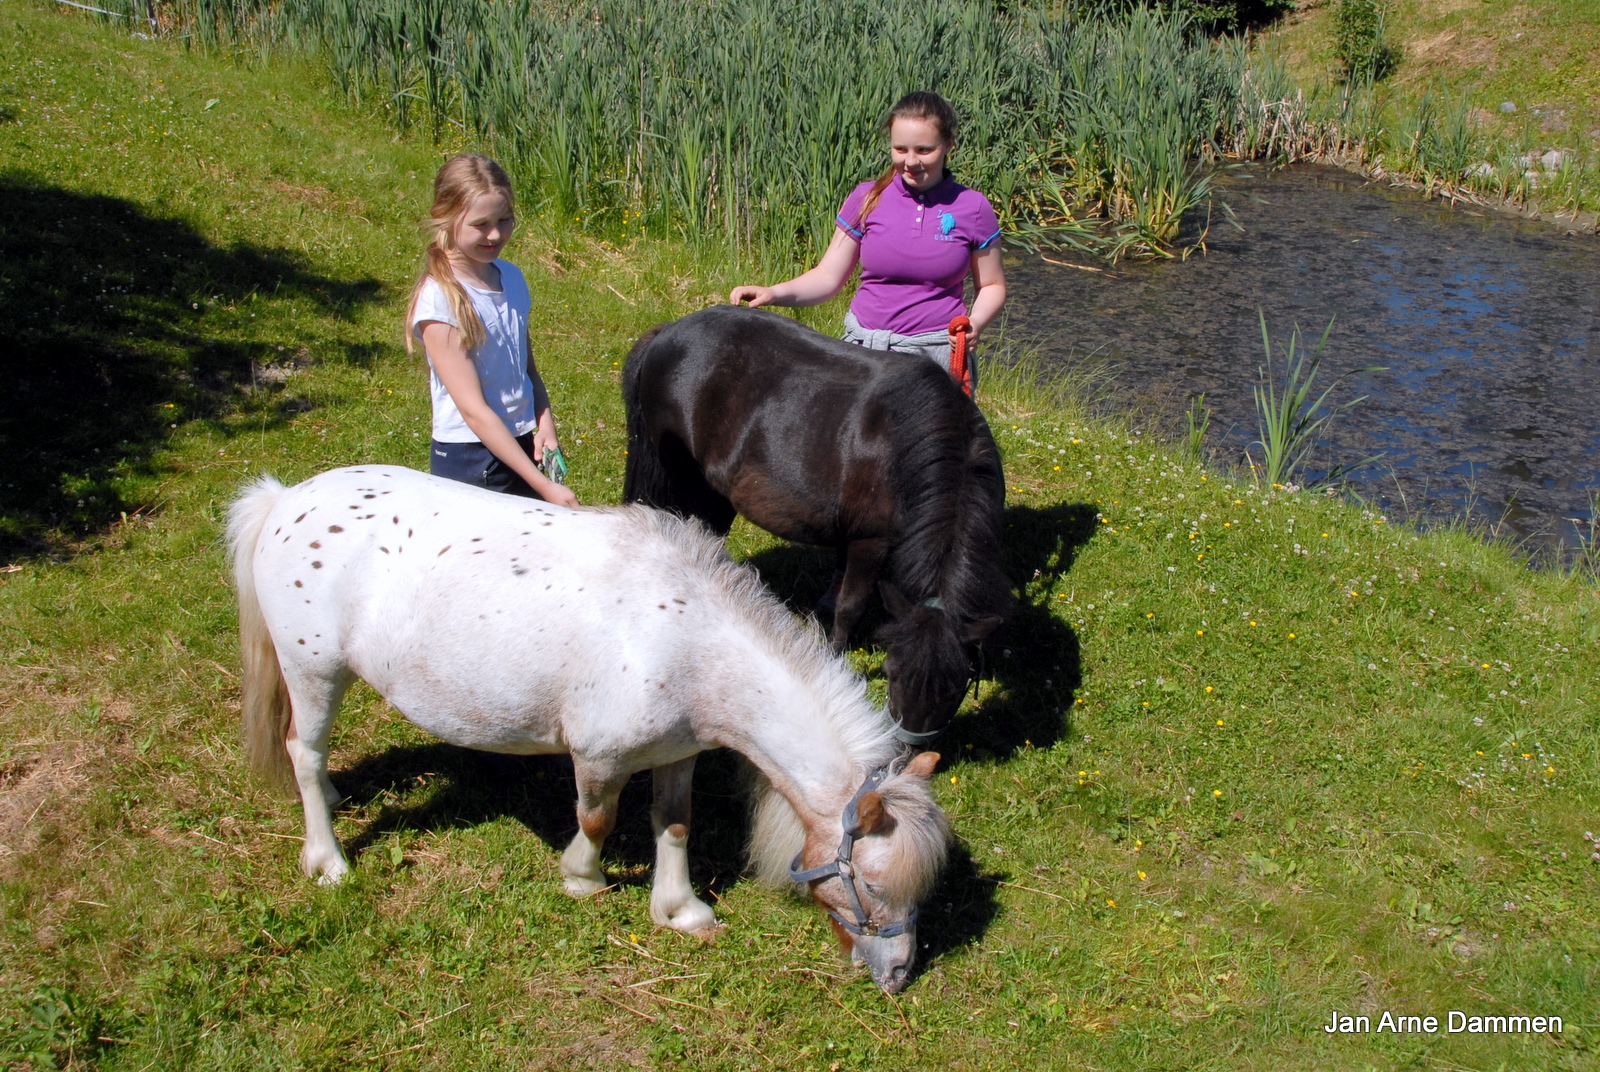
[973,632]
[922,766]
[870,815]
[899,606]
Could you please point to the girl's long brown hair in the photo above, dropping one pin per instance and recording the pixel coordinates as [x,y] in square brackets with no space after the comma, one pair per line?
[461,180]
[918,104]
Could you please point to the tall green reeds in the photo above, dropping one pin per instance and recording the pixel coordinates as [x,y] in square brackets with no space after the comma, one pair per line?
[751,119]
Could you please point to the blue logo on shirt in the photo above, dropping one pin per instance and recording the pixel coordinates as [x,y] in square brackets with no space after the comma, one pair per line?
[947,223]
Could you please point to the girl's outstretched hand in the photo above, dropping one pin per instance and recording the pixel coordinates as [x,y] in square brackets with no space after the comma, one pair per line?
[756,296]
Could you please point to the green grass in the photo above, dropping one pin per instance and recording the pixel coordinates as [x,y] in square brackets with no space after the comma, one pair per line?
[1466,58]
[1364,754]
[1531,54]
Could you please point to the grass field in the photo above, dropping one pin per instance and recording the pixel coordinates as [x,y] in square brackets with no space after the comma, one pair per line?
[1242,757]
[1542,57]
[1460,62]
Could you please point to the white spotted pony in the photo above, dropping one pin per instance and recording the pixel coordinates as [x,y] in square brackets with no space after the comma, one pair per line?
[623,636]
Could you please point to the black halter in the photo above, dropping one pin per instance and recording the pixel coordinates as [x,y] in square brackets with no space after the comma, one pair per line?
[842,867]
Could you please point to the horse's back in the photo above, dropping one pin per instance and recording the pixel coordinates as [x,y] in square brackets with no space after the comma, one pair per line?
[800,432]
[488,619]
[752,355]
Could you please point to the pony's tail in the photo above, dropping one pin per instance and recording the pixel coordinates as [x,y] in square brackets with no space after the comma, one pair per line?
[776,833]
[644,478]
[266,709]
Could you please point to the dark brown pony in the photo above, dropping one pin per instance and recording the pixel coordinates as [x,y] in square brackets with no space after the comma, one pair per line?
[878,454]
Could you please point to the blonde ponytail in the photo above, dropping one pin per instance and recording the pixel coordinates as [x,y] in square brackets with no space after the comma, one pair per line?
[461,180]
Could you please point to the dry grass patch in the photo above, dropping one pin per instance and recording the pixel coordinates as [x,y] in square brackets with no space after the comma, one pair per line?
[39,791]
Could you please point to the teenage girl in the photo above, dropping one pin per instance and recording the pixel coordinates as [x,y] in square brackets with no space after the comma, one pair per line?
[917,234]
[469,309]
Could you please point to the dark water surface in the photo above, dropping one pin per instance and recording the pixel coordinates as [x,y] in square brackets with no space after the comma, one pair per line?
[1489,327]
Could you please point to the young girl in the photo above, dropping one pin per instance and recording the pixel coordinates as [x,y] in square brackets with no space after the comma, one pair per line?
[491,415]
[917,234]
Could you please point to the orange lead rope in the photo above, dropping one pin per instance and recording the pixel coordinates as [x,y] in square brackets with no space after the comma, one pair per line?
[960,328]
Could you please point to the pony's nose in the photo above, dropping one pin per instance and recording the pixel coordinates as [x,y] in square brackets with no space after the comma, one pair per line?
[894,980]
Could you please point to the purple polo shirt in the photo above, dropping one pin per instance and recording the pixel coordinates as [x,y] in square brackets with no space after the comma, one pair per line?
[916,251]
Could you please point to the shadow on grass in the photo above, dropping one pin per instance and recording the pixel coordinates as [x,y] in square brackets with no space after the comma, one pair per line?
[958,911]
[112,315]
[433,787]
[1034,660]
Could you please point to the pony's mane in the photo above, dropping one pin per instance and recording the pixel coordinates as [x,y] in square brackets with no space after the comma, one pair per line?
[949,544]
[862,730]
[916,851]
[918,854]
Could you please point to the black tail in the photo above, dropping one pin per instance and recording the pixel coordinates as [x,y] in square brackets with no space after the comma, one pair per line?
[644,479]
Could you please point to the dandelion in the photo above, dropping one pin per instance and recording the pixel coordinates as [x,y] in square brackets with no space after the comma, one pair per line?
[1208,688]
[1291,636]
[1199,632]
[1150,615]
[1252,625]
[1216,792]
[1220,722]
[1111,903]
[952,779]
[1141,876]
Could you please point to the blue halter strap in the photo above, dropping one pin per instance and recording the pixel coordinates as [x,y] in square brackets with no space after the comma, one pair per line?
[840,865]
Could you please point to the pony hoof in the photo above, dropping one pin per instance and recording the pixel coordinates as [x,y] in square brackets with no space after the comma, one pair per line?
[694,918]
[334,874]
[580,887]
[327,870]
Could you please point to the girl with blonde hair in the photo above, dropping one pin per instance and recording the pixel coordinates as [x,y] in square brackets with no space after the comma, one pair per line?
[492,423]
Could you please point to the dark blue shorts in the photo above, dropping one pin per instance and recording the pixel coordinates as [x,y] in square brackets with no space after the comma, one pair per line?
[474,463]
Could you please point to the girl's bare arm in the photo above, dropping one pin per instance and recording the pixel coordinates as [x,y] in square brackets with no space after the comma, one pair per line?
[989,275]
[809,288]
[455,370]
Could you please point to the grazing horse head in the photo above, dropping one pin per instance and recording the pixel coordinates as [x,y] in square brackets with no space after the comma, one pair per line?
[931,658]
[894,841]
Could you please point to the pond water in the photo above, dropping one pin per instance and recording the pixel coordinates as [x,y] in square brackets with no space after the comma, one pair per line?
[1488,326]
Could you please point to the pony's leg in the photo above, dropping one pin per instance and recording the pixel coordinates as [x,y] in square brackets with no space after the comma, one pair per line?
[863,564]
[672,900]
[315,701]
[597,814]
